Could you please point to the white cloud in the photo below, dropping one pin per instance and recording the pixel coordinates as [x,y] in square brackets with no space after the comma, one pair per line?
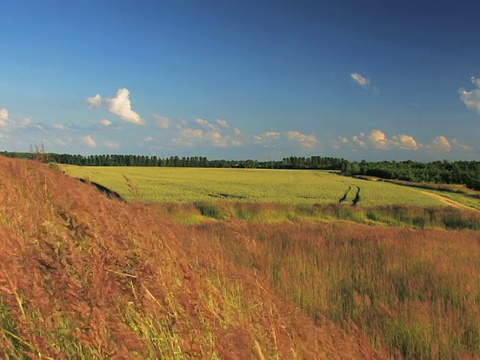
[94,101]
[471,99]
[267,139]
[307,141]
[111,144]
[58,127]
[161,121]
[475,81]
[440,144]
[461,146]
[88,140]
[149,139]
[378,139]
[208,133]
[406,142]
[222,123]
[28,123]
[120,105]
[237,131]
[205,124]
[272,134]
[192,133]
[358,140]
[61,142]
[360,80]
[219,140]
[105,122]
[341,140]
[3,117]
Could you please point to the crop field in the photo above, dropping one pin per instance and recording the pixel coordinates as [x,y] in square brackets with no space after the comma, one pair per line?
[187,185]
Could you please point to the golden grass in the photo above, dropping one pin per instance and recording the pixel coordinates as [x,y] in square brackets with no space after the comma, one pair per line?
[85,277]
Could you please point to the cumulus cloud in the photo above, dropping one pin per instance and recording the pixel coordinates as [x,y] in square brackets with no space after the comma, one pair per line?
[192,133]
[237,131]
[377,139]
[120,105]
[406,142]
[358,140]
[471,99]
[161,121]
[272,134]
[338,142]
[360,80]
[307,141]
[222,123]
[218,140]
[105,122]
[268,139]
[3,117]
[94,101]
[88,140]
[205,124]
[206,133]
[440,144]
[111,144]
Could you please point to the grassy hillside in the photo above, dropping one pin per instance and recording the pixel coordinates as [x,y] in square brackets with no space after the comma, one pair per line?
[187,185]
[82,276]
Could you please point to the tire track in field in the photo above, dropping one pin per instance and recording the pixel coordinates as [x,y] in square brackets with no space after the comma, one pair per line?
[450,202]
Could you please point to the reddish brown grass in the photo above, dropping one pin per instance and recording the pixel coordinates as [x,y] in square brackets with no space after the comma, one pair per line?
[82,276]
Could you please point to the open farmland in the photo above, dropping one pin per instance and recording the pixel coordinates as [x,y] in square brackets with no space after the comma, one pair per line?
[186,185]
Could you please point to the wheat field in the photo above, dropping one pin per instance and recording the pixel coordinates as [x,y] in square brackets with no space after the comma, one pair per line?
[186,185]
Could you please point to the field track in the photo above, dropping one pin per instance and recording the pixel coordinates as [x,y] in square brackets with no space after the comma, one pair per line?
[450,202]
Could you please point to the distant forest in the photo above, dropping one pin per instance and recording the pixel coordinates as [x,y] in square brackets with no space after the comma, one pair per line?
[439,172]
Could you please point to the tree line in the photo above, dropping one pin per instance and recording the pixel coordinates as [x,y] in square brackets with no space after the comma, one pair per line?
[439,172]
[293,162]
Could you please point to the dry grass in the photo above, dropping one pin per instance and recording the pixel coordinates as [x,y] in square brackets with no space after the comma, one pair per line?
[414,293]
[85,277]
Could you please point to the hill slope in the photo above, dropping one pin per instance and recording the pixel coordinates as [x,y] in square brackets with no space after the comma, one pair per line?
[82,276]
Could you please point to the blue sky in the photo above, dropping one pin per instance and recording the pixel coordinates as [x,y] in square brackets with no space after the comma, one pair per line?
[249,79]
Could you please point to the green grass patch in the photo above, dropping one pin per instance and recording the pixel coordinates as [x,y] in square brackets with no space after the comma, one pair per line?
[188,185]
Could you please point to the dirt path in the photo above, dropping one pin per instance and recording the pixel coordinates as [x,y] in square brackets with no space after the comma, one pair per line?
[450,202]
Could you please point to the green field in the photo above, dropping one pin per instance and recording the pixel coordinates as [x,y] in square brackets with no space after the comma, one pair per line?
[186,185]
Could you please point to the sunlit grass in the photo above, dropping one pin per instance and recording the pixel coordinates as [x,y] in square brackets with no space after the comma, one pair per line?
[188,185]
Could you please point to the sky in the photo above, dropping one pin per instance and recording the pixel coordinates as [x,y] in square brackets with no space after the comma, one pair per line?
[371,79]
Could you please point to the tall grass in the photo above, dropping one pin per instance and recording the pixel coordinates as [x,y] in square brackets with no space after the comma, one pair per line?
[414,293]
[85,277]
[393,215]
